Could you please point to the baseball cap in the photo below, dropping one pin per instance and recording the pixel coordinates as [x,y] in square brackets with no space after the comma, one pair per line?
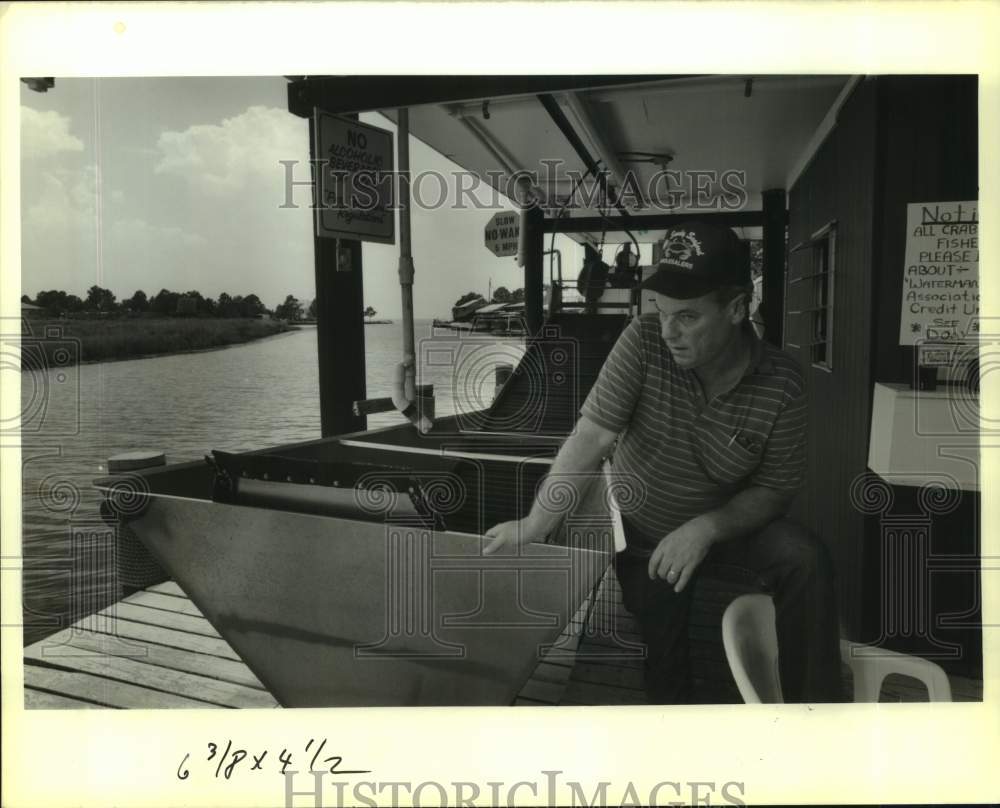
[697,258]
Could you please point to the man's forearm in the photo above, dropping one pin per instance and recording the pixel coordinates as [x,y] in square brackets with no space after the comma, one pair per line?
[578,455]
[747,512]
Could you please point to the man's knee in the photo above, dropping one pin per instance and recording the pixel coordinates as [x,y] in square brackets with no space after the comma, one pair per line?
[797,548]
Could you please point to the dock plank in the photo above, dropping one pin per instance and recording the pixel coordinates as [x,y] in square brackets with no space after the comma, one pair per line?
[80,643]
[593,656]
[161,617]
[107,692]
[542,691]
[40,700]
[155,678]
[549,672]
[965,689]
[585,693]
[631,678]
[169,603]
[547,682]
[130,631]
[167,588]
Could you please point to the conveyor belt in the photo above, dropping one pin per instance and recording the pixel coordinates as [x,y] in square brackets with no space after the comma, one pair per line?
[465,481]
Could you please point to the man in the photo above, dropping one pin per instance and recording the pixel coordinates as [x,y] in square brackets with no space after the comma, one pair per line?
[712,420]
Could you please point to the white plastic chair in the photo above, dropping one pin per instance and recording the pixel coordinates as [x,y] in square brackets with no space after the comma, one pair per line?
[751,643]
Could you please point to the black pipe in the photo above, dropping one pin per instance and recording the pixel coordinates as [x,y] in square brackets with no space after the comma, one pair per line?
[562,122]
[652,221]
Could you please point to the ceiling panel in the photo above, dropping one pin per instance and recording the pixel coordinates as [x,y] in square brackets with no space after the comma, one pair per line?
[705,124]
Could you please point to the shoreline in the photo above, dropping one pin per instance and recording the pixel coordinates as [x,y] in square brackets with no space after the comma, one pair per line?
[160,337]
[184,351]
[285,329]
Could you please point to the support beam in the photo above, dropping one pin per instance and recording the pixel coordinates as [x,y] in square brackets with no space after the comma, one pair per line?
[534,270]
[340,330]
[651,221]
[340,94]
[573,138]
[775,259]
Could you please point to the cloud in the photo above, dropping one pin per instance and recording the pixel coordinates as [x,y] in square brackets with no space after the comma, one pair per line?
[59,244]
[61,197]
[44,134]
[241,151]
[140,234]
[67,245]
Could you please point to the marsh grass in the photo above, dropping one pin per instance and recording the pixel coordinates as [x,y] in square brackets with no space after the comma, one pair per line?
[131,338]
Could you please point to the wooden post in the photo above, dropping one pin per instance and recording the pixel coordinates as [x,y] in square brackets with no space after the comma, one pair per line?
[774,203]
[340,329]
[534,270]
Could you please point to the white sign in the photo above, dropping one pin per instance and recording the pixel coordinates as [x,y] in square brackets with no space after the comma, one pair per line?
[354,180]
[502,233]
[941,273]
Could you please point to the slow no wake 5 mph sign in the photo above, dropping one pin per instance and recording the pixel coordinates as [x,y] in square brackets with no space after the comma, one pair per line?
[501,233]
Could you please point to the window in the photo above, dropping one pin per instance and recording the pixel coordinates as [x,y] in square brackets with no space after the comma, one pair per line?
[816,295]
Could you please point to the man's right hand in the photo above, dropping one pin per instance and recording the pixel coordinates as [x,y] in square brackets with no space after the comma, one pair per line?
[581,452]
[512,533]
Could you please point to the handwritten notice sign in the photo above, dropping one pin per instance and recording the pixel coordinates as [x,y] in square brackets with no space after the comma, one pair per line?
[354,180]
[941,275]
[502,232]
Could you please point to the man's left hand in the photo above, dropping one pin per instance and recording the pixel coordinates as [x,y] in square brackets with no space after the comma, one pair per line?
[679,553]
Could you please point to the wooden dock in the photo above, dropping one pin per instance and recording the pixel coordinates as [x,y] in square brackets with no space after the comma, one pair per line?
[154,649]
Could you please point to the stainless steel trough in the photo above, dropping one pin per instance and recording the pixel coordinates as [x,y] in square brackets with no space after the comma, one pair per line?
[379,610]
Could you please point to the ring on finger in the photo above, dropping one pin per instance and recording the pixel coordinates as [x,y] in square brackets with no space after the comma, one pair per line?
[671,574]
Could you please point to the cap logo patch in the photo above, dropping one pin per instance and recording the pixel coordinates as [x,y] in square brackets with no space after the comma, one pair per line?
[679,247]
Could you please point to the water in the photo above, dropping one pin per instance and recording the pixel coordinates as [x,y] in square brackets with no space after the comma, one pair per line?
[244,397]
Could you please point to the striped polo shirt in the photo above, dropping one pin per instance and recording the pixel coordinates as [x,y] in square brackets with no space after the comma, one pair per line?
[692,455]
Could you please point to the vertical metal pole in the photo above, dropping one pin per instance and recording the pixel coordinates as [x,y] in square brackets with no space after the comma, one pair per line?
[774,205]
[534,269]
[406,268]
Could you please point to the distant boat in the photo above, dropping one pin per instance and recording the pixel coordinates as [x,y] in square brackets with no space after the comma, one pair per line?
[378,322]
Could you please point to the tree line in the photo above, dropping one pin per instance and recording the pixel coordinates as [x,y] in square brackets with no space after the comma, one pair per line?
[168,303]
[500,295]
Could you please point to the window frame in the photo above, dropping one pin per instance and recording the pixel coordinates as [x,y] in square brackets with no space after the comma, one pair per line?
[821,276]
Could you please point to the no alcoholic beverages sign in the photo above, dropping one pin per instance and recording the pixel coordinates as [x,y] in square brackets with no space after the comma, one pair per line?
[502,233]
[353,180]
[941,275]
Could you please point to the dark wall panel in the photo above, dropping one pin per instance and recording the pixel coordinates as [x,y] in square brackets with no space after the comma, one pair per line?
[898,139]
[929,136]
[839,184]
[928,147]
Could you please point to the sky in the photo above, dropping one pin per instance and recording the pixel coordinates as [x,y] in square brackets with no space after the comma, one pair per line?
[151,183]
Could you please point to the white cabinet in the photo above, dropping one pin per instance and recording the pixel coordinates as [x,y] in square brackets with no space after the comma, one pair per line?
[918,437]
